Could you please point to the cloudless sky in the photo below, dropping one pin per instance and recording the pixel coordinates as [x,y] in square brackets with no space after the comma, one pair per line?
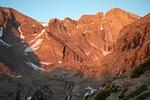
[43,10]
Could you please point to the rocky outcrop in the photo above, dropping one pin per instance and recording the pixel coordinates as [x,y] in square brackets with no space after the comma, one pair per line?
[92,36]
[60,84]
[125,87]
[103,29]
[132,48]
[16,30]
[11,90]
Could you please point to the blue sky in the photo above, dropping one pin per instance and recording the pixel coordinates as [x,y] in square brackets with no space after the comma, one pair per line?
[43,10]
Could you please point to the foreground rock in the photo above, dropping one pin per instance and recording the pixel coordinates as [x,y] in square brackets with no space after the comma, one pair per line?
[54,86]
[127,68]
[125,87]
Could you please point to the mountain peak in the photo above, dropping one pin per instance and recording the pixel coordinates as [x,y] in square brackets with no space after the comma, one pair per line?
[69,53]
[117,9]
[88,39]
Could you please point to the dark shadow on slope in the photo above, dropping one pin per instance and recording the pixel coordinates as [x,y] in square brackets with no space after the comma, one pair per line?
[60,84]
[139,70]
[12,52]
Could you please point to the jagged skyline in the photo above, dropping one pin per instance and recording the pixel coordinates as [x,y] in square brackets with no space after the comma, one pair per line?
[105,56]
[47,9]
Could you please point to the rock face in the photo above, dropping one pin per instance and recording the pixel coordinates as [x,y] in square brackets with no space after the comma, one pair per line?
[66,58]
[16,30]
[132,49]
[83,41]
[92,36]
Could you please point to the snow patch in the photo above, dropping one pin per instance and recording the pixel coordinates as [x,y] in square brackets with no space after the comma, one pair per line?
[44,24]
[45,63]
[1,31]
[35,67]
[85,31]
[68,97]
[91,89]
[105,52]
[33,25]
[21,34]
[85,95]
[101,28]
[59,62]
[36,45]
[89,93]
[101,25]
[29,98]
[4,43]
[18,76]
[77,27]
[42,32]
[28,49]
[102,21]
[104,14]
